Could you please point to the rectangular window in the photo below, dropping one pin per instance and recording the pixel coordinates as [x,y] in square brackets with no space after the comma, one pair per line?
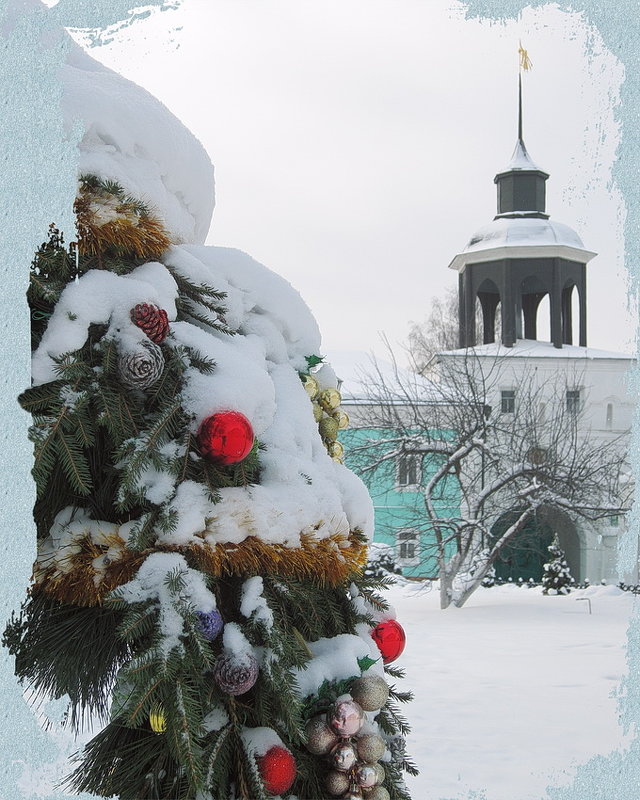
[573,401]
[614,521]
[408,469]
[508,401]
[407,548]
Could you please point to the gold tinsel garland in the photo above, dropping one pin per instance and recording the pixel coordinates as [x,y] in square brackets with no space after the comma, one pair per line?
[327,562]
[108,220]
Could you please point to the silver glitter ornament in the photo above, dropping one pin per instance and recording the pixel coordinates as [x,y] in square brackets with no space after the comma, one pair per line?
[336,783]
[320,738]
[345,718]
[366,776]
[236,674]
[142,368]
[343,757]
[370,692]
[378,793]
[354,794]
[380,773]
[370,747]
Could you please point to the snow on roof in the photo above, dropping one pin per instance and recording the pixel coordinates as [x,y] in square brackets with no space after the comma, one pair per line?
[509,232]
[132,138]
[521,160]
[530,348]
[522,237]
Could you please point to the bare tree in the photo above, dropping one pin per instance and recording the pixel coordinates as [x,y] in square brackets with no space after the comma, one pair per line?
[439,331]
[481,462]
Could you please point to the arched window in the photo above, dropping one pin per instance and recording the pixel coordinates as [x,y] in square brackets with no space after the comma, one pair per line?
[609,419]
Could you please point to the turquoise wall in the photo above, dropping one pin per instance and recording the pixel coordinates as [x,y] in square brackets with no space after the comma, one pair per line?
[400,508]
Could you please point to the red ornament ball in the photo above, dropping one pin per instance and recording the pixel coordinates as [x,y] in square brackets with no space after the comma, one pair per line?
[225,437]
[277,768]
[390,638]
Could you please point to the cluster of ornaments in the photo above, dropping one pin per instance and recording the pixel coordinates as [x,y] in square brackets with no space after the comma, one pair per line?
[328,414]
[353,755]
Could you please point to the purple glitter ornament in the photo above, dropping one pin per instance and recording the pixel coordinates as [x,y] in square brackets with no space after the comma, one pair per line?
[210,623]
[236,674]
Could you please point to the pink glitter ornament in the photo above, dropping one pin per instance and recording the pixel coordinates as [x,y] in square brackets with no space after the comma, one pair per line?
[345,717]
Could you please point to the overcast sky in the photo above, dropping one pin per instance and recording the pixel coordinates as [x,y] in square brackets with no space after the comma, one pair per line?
[355,143]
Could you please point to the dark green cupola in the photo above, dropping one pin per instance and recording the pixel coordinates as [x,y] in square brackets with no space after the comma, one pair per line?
[521,187]
[510,265]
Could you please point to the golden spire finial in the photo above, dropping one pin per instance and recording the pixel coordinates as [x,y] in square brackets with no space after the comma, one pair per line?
[525,61]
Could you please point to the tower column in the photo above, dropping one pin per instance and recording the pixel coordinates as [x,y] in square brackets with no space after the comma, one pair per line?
[466,311]
[508,308]
[555,303]
[582,295]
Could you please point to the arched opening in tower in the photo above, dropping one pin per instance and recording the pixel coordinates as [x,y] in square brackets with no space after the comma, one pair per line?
[570,313]
[488,297]
[544,320]
[532,293]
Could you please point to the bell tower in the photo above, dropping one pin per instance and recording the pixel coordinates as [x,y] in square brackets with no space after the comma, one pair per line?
[522,256]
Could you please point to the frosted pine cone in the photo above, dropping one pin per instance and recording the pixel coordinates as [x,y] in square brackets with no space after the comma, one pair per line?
[143,368]
[152,320]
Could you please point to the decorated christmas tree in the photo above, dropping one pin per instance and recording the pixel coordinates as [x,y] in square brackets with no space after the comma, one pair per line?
[556,578]
[199,587]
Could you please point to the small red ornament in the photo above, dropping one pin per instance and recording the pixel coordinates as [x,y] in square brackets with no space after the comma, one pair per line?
[225,437]
[277,768]
[152,320]
[390,638]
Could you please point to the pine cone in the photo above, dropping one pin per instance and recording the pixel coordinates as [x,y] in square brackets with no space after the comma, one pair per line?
[152,320]
[143,368]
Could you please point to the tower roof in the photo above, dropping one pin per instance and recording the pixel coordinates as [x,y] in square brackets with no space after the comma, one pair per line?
[520,257]
[521,161]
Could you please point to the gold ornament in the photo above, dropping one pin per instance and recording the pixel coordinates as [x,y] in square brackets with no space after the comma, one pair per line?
[310,385]
[336,783]
[318,413]
[335,450]
[378,793]
[328,428]
[380,773]
[330,399]
[157,719]
[320,738]
[370,747]
[341,417]
[370,692]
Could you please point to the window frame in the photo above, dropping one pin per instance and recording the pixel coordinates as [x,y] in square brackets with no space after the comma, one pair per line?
[510,401]
[414,457]
[405,538]
[573,401]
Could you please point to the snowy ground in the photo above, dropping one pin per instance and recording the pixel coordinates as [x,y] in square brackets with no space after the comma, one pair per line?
[511,690]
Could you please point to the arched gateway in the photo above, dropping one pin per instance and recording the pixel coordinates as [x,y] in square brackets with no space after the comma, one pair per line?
[524,556]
